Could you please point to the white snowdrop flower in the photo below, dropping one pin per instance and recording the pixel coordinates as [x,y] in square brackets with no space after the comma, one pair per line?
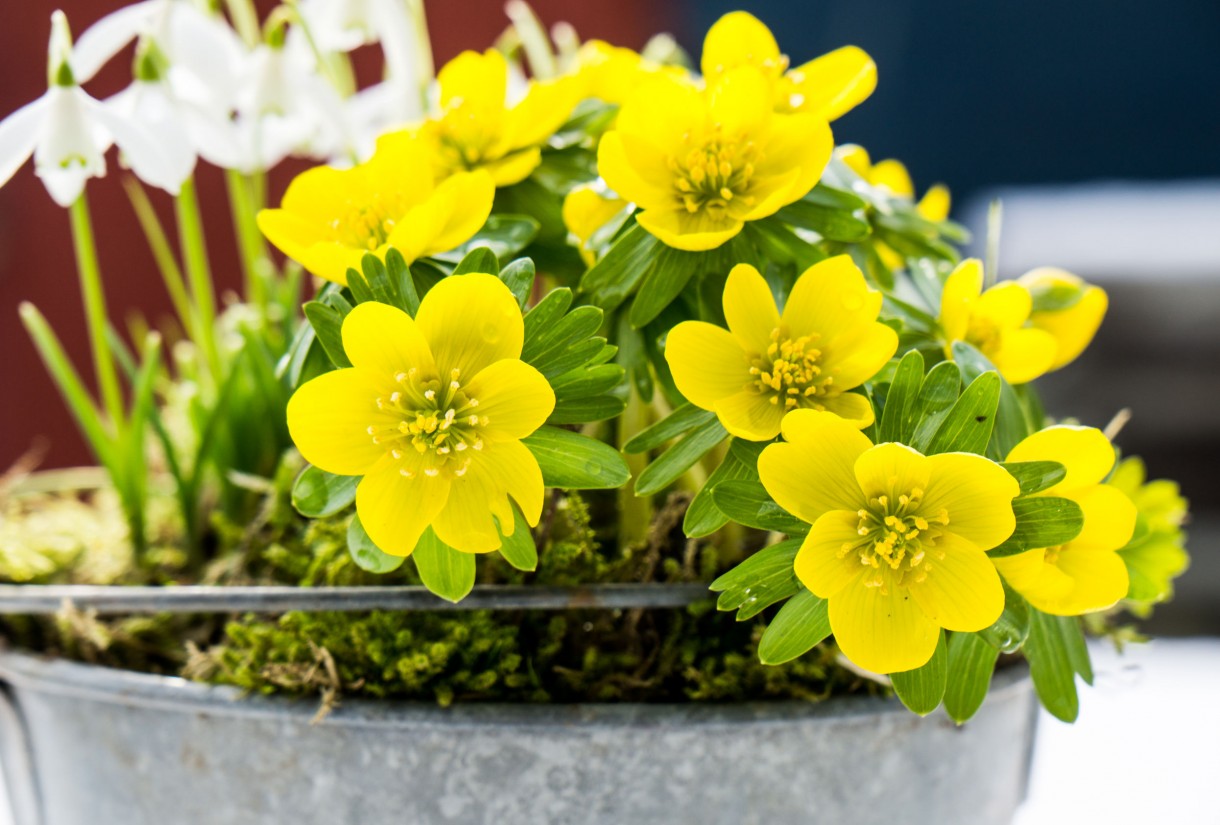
[68,132]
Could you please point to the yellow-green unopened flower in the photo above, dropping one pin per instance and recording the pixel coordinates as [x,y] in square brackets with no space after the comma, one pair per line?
[586,210]
[478,127]
[701,164]
[828,86]
[330,218]
[1085,574]
[827,341]
[1075,322]
[995,322]
[1156,554]
[899,540]
[432,414]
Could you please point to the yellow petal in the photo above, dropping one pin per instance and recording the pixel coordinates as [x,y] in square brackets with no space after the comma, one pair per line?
[470,321]
[515,398]
[1075,326]
[892,176]
[740,102]
[1024,354]
[962,290]
[515,167]
[707,362]
[739,39]
[1006,305]
[882,632]
[449,217]
[750,309]
[1028,573]
[856,158]
[1085,452]
[976,494]
[831,298]
[516,467]
[822,564]
[395,510]
[465,523]
[696,232]
[305,243]
[385,340]
[662,112]
[545,107]
[796,149]
[329,417]
[853,358]
[934,205]
[471,78]
[401,166]
[586,210]
[751,416]
[891,470]
[851,406]
[1100,579]
[318,194]
[832,85]
[1109,518]
[634,174]
[962,591]
[813,472]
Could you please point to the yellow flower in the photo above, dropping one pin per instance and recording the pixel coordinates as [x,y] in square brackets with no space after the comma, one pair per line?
[432,415]
[1075,324]
[478,128]
[827,341]
[330,218]
[995,323]
[898,542]
[892,176]
[1086,574]
[586,210]
[612,73]
[701,164]
[1156,554]
[829,86]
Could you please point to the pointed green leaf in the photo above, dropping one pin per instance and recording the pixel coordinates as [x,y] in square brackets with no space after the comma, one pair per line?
[446,572]
[1035,476]
[967,427]
[328,325]
[402,283]
[615,276]
[575,462]
[1051,665]
[481,259]
[682,420]
[368,556]
[760,581]
[900,400]
[936,398]
[971,664]
[799,625]
[519,278]
[747,502]
[680,457]
[317,493]
[666,278]
[703,517]
[1012,628]
[1042,521]
[519,549]
[922,689]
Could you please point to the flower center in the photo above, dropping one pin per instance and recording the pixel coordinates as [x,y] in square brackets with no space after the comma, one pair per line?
[437,421]
[896,540]
[983,333]
[368,225]
[714,172]
[790,371]
[1050,555]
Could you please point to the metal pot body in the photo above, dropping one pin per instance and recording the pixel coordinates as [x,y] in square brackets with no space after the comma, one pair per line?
[83,745]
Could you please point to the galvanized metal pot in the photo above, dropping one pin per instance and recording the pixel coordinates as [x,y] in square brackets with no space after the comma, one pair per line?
[83,744]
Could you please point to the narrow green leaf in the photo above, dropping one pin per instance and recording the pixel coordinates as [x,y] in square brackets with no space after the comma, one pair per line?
[799,625]
[574,462]
[747,502]
[760,581]
[936,398]
[519,549]
[1012,628]
[971,664]
[612,279]
[901,399]
[328,325]
[446,572]
[679,457]
[545,314]
[518,276]
[832,223]
[682,420]
[1042,521]
[1035,476]
[361,291]
[703,517]
[368,556]
[481,259]
[922,689]
[574,327]
[317,493]
[585,410]
[967,427]
[565,359]
[1072,635]
[1011,425]
[582,383]
[671,270]
[401,282]
[1051,667]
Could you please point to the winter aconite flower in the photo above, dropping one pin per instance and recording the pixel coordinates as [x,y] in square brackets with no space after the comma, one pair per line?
[432,415]
[892,176]
[701,164]
[1066,307]
[826,342]
[586,210]
[1086,573]
[479,127]
[899,540]
[995,322]
[1156,554]
[611,73]
[829,86]
[330,218]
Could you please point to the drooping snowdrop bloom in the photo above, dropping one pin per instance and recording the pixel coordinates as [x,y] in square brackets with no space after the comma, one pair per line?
[68,132]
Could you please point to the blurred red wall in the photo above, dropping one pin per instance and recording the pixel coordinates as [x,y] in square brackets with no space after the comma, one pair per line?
[36,255]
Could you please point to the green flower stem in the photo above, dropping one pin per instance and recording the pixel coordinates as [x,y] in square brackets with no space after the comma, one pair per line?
[95,312]
[163,253]
[198,273]
[634,512]
[255,263]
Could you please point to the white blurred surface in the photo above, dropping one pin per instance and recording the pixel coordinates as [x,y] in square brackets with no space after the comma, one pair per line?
[1145,750]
